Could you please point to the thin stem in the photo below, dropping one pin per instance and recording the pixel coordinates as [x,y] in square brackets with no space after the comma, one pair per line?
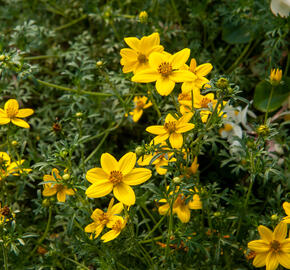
[155,227]
[174,102]
[71,23]
[153,101]
[5,257]
[150,240]
[39,57]
[268,104]
[75,262]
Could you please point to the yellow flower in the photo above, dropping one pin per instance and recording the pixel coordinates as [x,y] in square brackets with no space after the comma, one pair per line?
[12,113]
[117,176]
[103,218]
[136,58]
[140,105]
[193,168]
[180,207]
[5,212]
[200,71]
[161,162]
[286,207]
[275,76]
[57,188]
[166,70]
[143,16]
[8,168]
[272,248]
[172,129]
[117,226]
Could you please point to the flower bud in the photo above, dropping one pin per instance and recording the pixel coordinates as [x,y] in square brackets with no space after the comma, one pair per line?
[275,76]
[217,214]
[176,180]
[14,143]
[139,150]
[46,203]
[143,16]
[66,176]
[2,57]
[99,63]
[263,130]
[274,217]
[222,83]
[79,114]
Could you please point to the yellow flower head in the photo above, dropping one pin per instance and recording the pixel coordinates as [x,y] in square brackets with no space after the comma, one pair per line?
[200,72]
[10,168]
[166,70]
[275,76]
[286,207]
[273,248]
[56,187]
[143,16]
[136,58]
[140,105]
[5,214]
[102,219]
[172,129]
[118,176]
[180,207]
[116,227]
[12,113]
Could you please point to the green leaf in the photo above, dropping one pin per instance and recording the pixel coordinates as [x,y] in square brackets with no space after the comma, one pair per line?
[236,34]
[262,94]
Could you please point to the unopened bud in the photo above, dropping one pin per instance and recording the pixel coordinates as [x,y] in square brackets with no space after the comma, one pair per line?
[222,83]
[217,214]
[176,180]
[66,176]
[99,63]
[139,150]
[263,130]
[14,143]
[274,217]
[143,16]
[79,114]
[2,57]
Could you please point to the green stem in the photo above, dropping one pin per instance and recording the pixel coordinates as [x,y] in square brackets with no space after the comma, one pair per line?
[174,102]
[150,240]
[71,23]
[268,104]
[39,57]
[75,262]
[73,90]
[153,101]
[155,227]
[5,257]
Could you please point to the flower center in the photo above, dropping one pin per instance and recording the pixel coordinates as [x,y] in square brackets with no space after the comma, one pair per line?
[11,111]
[228,127]
[139,105]
[142,58]
[170,126]
[59,187]
[204,102]
[180,200]
[117,226]
[184,96]
[116,177]
[165,69]
[104,219]
[275,246]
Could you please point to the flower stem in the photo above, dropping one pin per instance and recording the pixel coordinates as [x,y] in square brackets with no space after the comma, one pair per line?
[5,257]
[71,23]
[153,101]
[268,104]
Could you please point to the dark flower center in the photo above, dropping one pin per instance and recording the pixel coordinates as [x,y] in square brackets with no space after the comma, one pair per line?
[165,69]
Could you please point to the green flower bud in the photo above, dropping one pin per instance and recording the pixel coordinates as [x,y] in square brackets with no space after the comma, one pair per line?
[66,176]
[176,180]
[139,150]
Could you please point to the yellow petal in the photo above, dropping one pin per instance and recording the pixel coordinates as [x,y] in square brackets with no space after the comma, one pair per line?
[48,177]
[259,246]
[24,113]
[133,43]
[155,60]
[280,231]
[11,104]
[20,122]
[69,191]
[156,48]
[204,69]
[137,176]
[161,167]
[96,214]
[265,233]
[99,189]
[182,76]
[186,87]
[286,207]
[185,118]
[129,55]
[161,138]
[129,67]
[163,210]
[47,192]
[195,203]
[61,196]
[169,118]
[124,194]
[148,42]
[108,163]
[284,259]
[90,228]
[117,209]
[55,174]
[179,58]
[183,213]
[164,86]
[98,230]
[5,157]
[4,120]
[260,259]
[145,160]
[127,163]
[184,127]
[96,174]
[145,76]
[137,115]
[156,130]
[110,235]
[285,245]
[192,65]
[272,261]
[176,140]
[2,113]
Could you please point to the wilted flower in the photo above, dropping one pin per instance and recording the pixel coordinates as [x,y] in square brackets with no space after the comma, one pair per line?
[281,7]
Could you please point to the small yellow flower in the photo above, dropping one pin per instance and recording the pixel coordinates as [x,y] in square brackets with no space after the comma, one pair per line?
[172,129]
[136,58]
[57,188]
[10,168]
[118,176]
[5,212]
[263,130]
[273,248]
[200,72]
[140,105]
[12,113]
[286,207]
[143,16]
[102,219]
[275,76]
[180,207]
[166,70]
[116,227]
[194,167]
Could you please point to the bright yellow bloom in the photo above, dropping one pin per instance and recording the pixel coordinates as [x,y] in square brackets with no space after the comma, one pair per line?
[101,219]
[136,58]
[12,113]
[117,226]
[140,105]
[180,207]
[161,162]
[8,168]
[286,207]
[272,248]
[166,70]
[275,76]
[172,129]
[200,71]
[57,188]
[117,176]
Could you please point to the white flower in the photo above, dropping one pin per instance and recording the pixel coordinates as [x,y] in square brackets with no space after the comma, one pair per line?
[281,7]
